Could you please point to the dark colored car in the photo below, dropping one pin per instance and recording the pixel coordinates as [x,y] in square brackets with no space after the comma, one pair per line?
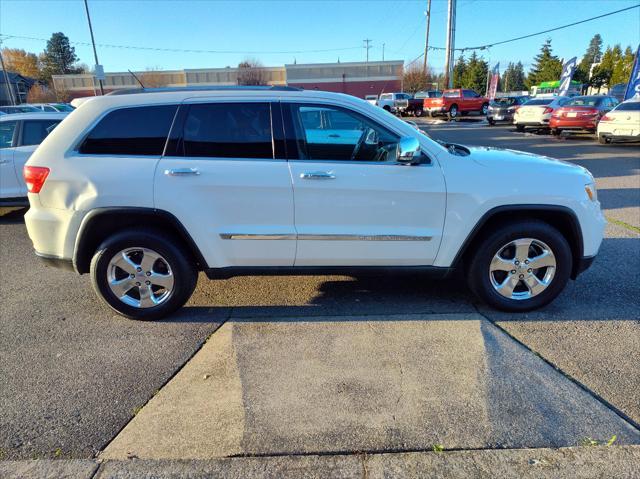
[503,109]
[581,113]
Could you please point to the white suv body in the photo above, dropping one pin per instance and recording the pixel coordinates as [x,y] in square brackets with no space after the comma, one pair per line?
[276,180]
[20,135]
[394,102]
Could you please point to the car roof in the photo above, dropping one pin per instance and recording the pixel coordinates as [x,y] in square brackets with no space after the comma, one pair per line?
[33,115]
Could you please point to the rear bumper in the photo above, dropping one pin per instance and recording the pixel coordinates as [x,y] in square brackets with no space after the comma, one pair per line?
[619,137]
[563,124]
[508,117]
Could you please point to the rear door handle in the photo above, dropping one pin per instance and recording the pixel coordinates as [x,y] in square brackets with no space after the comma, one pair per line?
[182,172]
[318,175]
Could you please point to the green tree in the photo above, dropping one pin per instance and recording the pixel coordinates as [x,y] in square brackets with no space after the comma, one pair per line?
[591,56]
[459,70]
[546,66]
[58,58]
[475,75]
[622,69]
[513,78]
[604,72]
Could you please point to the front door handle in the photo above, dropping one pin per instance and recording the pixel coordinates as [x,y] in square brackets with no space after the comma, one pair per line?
[318,175]
[182,172]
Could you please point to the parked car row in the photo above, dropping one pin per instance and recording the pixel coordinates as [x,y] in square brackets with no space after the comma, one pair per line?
[598,114]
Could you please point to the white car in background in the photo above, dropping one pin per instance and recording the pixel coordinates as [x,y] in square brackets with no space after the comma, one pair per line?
[53,107]
[20,135]
[621,123]
[537,112]
[373,99]
[394,102]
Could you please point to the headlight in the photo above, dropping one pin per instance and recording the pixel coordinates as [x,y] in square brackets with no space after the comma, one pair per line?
[591,191]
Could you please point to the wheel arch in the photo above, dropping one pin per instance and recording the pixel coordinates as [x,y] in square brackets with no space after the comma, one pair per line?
[560,217]
[102,222]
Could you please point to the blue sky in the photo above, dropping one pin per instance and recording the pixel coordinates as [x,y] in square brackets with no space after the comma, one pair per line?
[265,27]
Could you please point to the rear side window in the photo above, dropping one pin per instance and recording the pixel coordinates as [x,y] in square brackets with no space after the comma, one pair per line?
[6,133]
[228,130]
[34,131]
[131,131]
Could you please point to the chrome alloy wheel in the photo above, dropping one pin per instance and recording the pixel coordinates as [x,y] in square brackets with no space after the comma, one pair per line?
[140,277]
[522,269]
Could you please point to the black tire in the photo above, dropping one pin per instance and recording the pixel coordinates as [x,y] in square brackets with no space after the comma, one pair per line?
[479,279]
[419,112]
[453,112]
[490,122]
[183,269]
[520,128]
[555,132]
[387,107]
[603,140]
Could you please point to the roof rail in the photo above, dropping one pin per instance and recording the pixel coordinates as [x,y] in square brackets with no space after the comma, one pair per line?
[130,91]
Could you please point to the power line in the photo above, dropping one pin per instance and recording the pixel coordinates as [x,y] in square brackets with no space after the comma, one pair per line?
[179,50]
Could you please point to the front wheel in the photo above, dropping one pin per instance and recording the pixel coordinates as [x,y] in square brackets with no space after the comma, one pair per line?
[142,274]
[603,140]
[520,128]
[419,112]
[520,266]
[555,132]
[453,112]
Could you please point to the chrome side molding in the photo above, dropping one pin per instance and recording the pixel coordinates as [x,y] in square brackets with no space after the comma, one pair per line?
[319,237]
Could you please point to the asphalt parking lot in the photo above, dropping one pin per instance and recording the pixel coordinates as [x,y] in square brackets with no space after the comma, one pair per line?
[329,364]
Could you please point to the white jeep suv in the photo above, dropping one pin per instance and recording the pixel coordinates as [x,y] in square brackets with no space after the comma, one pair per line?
[144,189]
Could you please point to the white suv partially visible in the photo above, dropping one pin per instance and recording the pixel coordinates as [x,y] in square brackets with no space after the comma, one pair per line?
[143,190]
[20,135]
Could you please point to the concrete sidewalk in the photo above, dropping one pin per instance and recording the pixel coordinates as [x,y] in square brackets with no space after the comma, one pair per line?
[336,385]
[585,462]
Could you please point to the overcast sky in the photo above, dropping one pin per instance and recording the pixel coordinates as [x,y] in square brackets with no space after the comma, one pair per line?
[308,31]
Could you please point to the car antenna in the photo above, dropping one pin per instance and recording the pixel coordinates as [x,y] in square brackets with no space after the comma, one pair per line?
[137,79]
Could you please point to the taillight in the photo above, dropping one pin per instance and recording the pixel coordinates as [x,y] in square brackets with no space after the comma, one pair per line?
[606,118]
[548,110]
[34,177]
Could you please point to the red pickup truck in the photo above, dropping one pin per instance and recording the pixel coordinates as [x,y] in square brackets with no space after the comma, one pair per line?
[456,102]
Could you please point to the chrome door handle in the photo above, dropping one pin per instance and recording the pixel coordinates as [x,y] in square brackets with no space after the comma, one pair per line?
[182,172]
[318,175]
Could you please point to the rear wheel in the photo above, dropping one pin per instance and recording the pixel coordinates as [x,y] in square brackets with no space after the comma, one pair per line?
[555,132]
[142,274]
[491,122]
[419,112]
[520,266]
[453,112]
[603,140]
[520,128]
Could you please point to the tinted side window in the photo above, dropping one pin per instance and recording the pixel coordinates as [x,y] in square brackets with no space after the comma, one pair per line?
[228,130]
[131,131]
[6,133]
[34,131]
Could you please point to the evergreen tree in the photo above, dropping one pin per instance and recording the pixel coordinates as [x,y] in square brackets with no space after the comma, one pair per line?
[603,74]
[622,67]
[459,70]
[513,78]
[591,56]
[475,75]
[59,57]
[546,67]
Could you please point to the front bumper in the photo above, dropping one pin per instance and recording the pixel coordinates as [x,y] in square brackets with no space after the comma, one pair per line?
[56,262]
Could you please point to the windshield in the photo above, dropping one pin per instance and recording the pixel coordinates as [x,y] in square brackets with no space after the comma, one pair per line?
[63,107]
[583,101]
[505,101]
[540,101]
[629,106]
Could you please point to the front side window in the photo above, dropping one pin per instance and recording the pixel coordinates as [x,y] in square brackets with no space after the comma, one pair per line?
[34,131]
[629,106]
[131,131]
[470,94]
[332,133]
[7,128]
[228,130]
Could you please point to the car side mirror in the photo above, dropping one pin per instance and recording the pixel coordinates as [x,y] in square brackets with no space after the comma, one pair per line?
[408,151]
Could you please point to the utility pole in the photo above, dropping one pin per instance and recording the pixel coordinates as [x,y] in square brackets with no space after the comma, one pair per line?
[451,40]
[426,38]
[93,42]
[367,46]
[383,52]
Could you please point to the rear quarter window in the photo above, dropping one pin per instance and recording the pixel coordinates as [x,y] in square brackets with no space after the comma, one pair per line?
[131,131]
